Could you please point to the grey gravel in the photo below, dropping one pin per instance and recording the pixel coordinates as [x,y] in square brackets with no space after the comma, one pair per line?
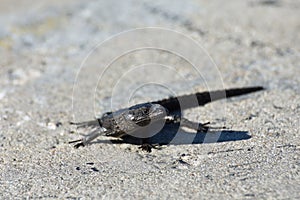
[42,46]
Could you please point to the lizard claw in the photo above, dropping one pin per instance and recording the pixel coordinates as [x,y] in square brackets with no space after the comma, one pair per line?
[148,147]
[78,144]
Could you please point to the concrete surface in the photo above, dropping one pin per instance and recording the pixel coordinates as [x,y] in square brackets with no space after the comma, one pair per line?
[42,46]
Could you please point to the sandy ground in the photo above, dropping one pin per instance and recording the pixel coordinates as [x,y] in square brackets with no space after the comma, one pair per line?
[44,47]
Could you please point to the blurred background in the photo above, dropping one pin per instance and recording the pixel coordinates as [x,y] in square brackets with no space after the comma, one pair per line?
[43,44]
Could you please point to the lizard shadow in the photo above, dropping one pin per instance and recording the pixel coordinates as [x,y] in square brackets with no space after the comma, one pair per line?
[171,134]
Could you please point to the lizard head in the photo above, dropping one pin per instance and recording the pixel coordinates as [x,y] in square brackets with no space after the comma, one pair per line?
[143,114]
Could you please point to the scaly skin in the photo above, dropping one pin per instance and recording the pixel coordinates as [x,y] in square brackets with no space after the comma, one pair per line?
[140,117]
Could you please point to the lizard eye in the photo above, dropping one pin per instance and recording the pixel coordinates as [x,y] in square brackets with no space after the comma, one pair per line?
[130,117]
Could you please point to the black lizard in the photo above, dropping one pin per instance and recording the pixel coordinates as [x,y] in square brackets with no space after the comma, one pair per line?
[136,120]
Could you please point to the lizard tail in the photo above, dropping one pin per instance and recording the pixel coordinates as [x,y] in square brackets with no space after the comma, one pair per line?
[222,94]
[202,98]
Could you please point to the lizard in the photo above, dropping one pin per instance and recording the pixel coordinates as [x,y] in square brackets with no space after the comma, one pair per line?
[132,120]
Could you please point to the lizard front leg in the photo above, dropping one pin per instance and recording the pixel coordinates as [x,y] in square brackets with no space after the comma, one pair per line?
[88,138]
